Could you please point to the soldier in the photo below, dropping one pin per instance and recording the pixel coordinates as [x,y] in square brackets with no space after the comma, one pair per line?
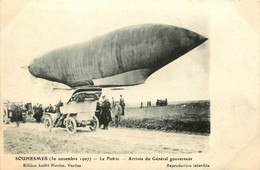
[122,104]
[118,113]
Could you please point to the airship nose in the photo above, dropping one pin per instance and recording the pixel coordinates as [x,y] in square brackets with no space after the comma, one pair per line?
[179,42]
[32,67]
[201,39]
[192,40]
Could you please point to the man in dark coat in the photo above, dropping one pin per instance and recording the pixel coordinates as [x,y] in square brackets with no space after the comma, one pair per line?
[105,116]
[17,114]
[38,113]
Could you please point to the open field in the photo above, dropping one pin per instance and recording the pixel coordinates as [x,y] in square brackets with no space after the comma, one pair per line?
[192,117]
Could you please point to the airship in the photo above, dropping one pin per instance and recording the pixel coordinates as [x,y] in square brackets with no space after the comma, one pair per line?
[124,57]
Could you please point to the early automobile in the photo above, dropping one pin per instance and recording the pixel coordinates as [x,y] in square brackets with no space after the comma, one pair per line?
[77,113]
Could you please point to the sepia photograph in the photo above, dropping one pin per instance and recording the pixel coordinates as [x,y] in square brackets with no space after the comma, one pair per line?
[108,78]
[124,84]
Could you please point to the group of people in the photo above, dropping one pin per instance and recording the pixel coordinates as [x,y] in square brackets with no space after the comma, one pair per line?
[38,111]
[54,109]
[161,102]
[103,111]
[16,112]
[148,104]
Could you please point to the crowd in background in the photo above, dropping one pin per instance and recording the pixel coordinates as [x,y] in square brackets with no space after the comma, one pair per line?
[159,102]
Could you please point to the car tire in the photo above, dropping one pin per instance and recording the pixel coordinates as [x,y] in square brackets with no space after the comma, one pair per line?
[71,125]
[48,123]
[96,124]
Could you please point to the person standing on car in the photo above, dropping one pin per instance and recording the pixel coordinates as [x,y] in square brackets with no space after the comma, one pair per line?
[105,117]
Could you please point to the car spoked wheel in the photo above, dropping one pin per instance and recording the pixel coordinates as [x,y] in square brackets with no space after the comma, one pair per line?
[48,123]
[94,123]
[71,125]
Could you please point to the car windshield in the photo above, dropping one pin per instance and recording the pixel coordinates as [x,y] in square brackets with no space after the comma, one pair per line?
[81,97]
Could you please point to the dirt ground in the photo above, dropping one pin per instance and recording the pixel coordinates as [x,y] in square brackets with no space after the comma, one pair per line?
[32,138]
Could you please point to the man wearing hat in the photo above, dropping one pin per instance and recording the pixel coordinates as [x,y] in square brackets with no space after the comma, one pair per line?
[105,116]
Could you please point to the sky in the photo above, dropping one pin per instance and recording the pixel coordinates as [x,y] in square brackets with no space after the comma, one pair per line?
[39,27]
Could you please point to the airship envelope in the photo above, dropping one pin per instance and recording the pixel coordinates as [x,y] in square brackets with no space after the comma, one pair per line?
[124,57]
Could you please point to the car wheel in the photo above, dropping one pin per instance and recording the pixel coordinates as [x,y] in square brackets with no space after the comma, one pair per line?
[71,125]
[48,123]
[94,123]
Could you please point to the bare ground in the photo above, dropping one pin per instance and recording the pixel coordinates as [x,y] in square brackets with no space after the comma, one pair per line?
[32,138]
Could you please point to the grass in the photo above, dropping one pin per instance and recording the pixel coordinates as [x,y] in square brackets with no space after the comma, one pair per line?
[186,117]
